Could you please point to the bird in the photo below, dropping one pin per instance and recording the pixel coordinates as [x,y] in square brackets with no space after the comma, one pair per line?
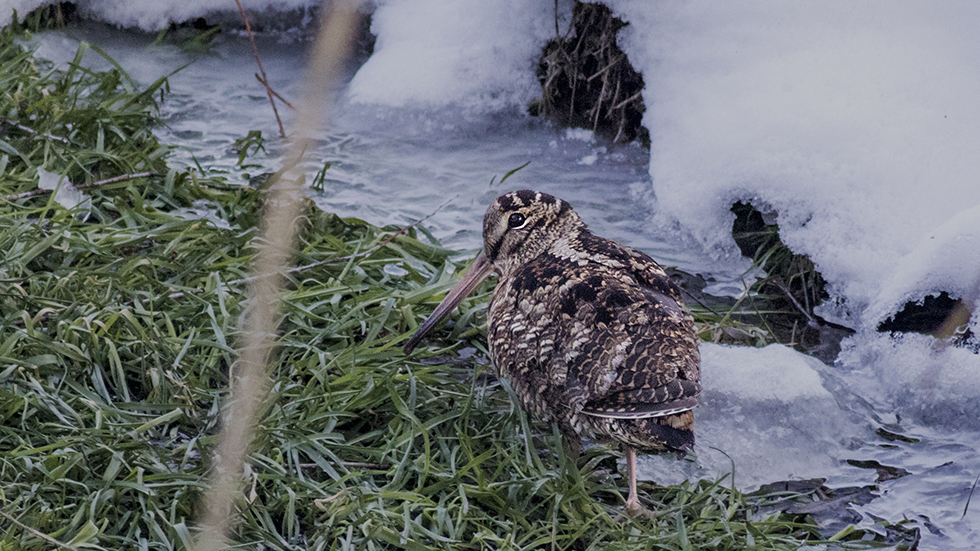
[591,335]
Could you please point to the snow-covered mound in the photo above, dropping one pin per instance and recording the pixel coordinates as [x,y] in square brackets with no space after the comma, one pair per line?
[437,52]
[945,259]
[856,122]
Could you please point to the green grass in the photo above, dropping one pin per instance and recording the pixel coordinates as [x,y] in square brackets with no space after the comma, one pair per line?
[117,341]
[782,302]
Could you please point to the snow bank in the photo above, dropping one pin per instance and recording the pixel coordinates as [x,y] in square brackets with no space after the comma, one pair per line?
[857,122]
[945,259]
[477,54]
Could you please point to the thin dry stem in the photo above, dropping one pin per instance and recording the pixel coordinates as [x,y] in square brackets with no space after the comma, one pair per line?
[113,180]
[264,79]
[274,93]
[250,379]
[36,133]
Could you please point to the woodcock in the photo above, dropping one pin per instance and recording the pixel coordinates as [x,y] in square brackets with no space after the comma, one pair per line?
[592,335]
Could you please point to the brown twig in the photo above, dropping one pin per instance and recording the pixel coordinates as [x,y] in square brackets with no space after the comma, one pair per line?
[789,294]
[274,93]
[967,506]
[264,80]
[626,101]
[36,192]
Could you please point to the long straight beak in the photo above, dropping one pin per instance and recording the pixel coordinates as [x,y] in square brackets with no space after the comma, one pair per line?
[476,274]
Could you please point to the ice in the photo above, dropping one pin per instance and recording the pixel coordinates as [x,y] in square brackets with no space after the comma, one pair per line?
[768,411]
[936,493]
[474,54]
[580,134]
[917,377]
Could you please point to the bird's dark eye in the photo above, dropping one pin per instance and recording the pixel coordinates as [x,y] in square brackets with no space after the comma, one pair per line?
[516,220]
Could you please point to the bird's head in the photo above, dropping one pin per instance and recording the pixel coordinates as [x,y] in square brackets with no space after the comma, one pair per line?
[521,225]
[517,228]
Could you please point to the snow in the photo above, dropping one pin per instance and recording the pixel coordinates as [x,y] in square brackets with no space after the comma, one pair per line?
[22,7]
[945,259]
[473,54]
[857,123]
[580,134]
[777,373]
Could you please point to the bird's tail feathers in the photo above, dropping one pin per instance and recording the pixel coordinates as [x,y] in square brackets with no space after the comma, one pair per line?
[645,411]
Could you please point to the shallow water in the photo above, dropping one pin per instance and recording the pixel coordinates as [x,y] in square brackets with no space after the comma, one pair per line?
[389,166]
[395,166]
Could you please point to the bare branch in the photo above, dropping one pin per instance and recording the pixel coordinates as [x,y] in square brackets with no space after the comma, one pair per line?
[264,80]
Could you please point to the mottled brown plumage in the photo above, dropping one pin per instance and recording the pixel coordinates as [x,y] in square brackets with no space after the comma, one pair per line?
[592,335]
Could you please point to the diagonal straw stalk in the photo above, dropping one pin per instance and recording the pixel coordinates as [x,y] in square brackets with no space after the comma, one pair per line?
[249,376]
[263,79]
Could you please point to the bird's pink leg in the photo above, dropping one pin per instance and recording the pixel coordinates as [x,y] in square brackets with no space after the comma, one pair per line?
[633,507]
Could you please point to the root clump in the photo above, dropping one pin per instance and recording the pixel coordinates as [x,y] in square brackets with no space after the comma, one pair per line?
[587,80]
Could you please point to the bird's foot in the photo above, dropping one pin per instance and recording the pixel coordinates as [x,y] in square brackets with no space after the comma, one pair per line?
[634,510]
